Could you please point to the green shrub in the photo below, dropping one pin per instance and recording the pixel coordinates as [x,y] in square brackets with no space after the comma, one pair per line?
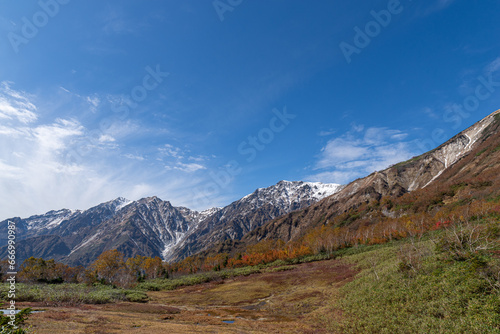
[194,279]
[70,293]
[282,268]
[136,296]
[19,319]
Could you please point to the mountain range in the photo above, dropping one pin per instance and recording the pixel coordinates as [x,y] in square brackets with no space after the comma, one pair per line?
[287,211]
[470,157]
[153,227]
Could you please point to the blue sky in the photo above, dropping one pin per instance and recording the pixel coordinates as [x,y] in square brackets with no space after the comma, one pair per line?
[201,102]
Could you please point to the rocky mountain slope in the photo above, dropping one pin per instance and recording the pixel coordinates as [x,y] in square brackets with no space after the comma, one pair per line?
[450,160]
[250,212]
[64,223]
[286,211]
[152,227]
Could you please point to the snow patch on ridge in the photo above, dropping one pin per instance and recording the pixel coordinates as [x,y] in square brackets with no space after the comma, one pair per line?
[288,192]
[86,242]
[208,212]
[49,220]
[179,237]
[123,202]
[461,145]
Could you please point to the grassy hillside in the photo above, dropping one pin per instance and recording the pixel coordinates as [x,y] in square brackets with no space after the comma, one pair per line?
[444,281]
[426,261]
[448,282]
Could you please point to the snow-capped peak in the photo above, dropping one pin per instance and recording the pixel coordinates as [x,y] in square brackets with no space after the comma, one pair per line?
[290,195]
[49,220]
[209,212]
[299,190]
[322,190]
[121,202]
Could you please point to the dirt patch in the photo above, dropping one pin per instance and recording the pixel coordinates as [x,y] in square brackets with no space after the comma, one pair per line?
[289,301]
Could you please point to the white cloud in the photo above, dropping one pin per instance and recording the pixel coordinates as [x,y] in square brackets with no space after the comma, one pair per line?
[9,171]
[374,136]
[199,158]
[134,157]
[121,129]
[12,132]
[360,152]
[325,133]
[106,138]
[186,167]
[341,150]
[34,174]
[178,159]
[340,177]
[15,105]
[189,167]
[170,151]
[62,164]
[65,90]
[94,102]
[53,137]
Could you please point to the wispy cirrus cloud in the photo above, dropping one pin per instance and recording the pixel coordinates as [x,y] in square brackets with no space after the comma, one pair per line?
[169,150]
[178,159]
[134,156]
[325,133]
[186,167]
[15,105]
[93,102]
[360,152]
[36,175]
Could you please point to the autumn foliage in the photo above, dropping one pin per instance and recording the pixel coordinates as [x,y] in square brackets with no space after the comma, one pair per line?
[375,222]
[35,270]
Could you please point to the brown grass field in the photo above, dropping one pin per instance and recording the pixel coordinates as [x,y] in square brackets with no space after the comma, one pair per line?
[299,300]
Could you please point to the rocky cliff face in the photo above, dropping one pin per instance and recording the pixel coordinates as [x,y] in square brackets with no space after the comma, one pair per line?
[141,227]
[152,227]
[145,227]
[64,222]
[250,212]
[417,173]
